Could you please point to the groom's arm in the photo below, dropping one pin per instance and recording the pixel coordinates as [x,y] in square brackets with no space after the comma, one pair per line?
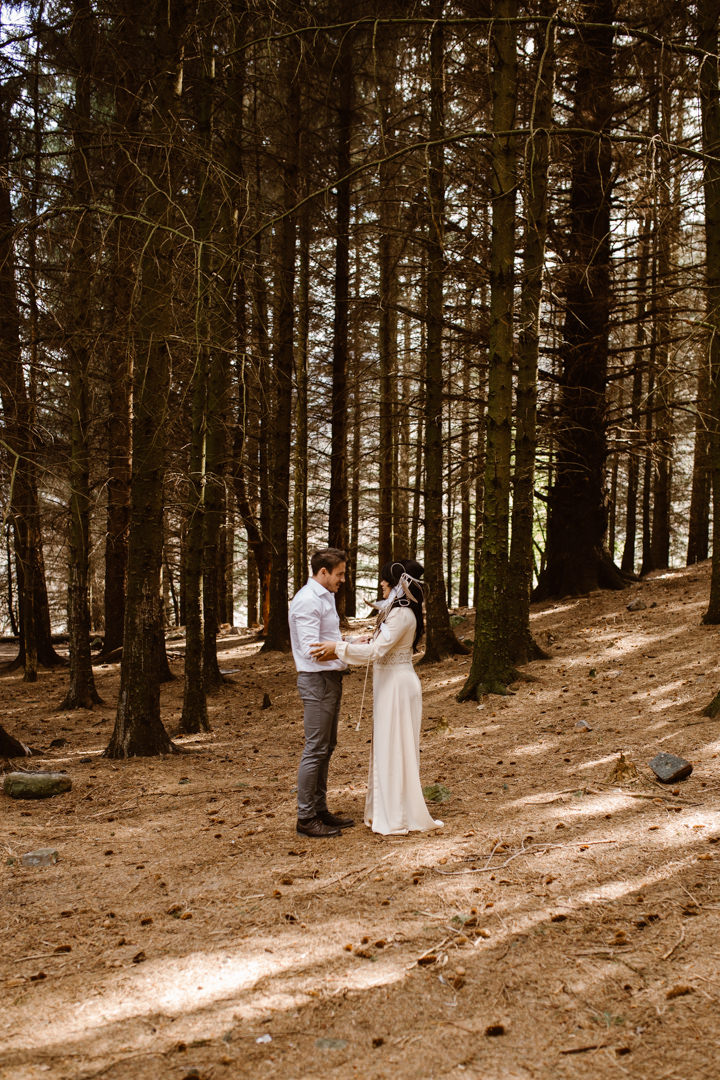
[306,620]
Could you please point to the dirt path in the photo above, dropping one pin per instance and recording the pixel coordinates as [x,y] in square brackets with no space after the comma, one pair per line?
[558,926]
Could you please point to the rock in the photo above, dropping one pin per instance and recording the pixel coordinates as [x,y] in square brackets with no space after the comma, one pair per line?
[44,856]
[669,769]
[582,725]
[38,785]
[266,702]
[331,1044]
[637,605]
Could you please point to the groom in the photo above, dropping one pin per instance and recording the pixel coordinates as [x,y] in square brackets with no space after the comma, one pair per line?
[313,617]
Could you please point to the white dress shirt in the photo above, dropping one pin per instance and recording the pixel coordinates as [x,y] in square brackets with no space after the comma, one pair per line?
[313,617]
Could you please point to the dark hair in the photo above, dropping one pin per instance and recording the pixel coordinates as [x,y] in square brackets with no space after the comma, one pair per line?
[328,558]
[392,572]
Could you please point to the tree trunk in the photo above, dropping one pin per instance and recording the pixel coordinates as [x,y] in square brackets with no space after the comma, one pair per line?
[627,564]
[577,559]
[229,579]
[522,647]
[710,107]
[491,667]
[277,632]
[194,713]
[699,517]
[663,239]
[35,639]
[300,525]
[138,727]
[123,243]
[11,747]
[387,301]
[464,567]
[81,692]
[338,519]
[440,639]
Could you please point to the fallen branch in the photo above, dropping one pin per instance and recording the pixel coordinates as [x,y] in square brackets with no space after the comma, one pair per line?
[430,951]
[38,956]
[584,1049]
[349,873]
[677,944]
[114,810]
[534,849]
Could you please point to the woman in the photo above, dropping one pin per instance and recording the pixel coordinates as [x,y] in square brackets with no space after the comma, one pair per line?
[394,803]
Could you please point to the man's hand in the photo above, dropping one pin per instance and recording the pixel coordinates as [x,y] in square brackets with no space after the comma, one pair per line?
[323,650]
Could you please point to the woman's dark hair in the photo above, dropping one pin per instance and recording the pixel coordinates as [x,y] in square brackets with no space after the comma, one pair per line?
[392,572]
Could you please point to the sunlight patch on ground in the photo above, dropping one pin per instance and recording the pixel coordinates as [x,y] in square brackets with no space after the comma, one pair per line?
[207,990]
[557,610]
[173,986]
[604,893]
[530,750]
[632,642]
[609,759]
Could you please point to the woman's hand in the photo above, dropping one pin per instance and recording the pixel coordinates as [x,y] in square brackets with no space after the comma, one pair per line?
[323,650]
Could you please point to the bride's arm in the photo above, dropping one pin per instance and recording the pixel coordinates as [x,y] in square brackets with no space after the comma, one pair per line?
[354,652]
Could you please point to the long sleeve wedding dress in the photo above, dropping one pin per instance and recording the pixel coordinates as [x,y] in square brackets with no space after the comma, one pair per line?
[394,803]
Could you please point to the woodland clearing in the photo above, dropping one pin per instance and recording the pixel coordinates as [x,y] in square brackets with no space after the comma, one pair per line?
[559,925]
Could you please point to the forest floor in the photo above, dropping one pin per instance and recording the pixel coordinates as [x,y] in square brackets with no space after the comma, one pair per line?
[561,924]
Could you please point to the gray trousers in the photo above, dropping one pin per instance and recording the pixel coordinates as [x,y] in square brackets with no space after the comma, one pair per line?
[321,693]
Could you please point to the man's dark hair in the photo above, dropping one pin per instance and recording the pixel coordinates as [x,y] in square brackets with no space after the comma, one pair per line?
[328,558]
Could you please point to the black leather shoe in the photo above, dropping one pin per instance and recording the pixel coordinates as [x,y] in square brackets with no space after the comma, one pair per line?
[334,819]
[317,828]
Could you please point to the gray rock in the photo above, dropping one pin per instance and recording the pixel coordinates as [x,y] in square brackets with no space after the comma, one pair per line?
[582,725]
[637,605]
[669,769]
[37,785]
[331,1044]
[44,856]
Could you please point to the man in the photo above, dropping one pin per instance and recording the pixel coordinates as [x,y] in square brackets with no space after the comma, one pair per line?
[314,618]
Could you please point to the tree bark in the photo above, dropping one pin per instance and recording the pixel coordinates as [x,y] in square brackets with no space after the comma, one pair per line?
[35,638]
[300,524]
[699,517]
[123,244]
[709,83]
[491,667]
[388,294]
[522,646]
[10,747]
[194,716]
[627,564]
[138,726]
[577,559]
[338,517]
[277,633]
[81,692]
[440,639]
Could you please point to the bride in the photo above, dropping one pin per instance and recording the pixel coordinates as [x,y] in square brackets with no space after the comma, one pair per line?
[394,803]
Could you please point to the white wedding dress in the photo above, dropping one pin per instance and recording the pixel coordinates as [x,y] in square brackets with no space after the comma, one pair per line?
[394,803]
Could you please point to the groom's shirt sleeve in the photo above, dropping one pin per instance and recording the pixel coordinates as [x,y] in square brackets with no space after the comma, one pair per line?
[305,621]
